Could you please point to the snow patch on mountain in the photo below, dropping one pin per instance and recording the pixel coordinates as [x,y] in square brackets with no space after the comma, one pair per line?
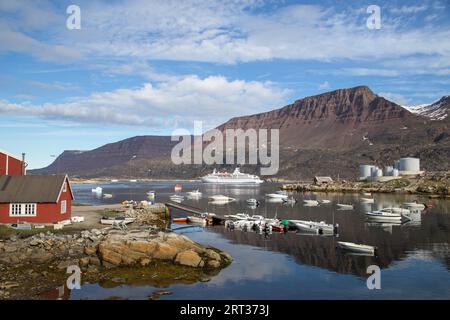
[435,111]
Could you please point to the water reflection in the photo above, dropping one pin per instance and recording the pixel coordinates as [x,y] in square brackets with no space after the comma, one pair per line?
[427,231]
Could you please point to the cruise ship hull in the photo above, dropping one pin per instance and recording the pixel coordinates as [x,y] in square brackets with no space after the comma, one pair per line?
[218,180]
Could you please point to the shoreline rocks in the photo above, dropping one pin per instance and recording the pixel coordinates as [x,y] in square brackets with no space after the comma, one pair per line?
[142,247]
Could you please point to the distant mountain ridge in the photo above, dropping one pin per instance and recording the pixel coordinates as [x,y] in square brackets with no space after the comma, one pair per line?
[435,111]
[327,134]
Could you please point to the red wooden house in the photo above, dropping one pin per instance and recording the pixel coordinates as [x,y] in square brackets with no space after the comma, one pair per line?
[35,199]
[11,165]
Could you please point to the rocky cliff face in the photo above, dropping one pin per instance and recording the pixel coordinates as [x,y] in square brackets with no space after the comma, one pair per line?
[328,134]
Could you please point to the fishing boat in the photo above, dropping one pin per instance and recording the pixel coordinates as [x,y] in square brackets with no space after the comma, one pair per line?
[180,220]
[220,198]
[367,200]
[386,215]
[195,193]
[344,206]
[311,202]
[119,220]
[354,247]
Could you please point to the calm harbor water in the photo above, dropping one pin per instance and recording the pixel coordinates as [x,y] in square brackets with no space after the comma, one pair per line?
[414,257]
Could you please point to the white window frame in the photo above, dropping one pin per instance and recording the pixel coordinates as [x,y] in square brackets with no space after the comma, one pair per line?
[63,207]
[22,209]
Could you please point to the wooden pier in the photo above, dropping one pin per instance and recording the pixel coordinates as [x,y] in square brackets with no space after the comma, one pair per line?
[195,211]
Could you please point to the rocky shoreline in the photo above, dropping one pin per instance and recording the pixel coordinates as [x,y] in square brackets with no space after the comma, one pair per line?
[36,264]
[434,185]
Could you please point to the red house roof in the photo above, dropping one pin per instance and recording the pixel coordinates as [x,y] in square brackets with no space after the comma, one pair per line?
[32,189]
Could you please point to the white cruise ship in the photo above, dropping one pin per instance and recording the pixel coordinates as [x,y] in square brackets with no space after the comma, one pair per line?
[231,178]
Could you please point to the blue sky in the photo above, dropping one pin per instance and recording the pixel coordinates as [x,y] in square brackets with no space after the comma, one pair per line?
[148,67]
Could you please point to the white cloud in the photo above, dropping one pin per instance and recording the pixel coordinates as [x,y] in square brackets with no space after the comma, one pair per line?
[229,32]
[395,97]
[324,85]
[53,85]
[179,100]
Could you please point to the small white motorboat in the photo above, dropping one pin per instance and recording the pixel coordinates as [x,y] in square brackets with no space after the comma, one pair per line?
[290,200]
[194,194]
[359,248]
[252,201]
[385,215]
[276,195]
[367,200]
[107,195]
[367,194]
[116,220]
[313,226]
[414,205]
[324,201]
[151,194]
[343,206]
[97,190]
[221,198]
[311,202]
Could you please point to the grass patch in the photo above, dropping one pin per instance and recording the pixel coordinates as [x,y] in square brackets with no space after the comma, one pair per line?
[109,213]
[6,232]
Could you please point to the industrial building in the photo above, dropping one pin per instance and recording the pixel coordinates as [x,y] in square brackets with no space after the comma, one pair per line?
[402,167]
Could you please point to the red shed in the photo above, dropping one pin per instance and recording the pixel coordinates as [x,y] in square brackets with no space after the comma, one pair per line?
[35,199]
[11,165]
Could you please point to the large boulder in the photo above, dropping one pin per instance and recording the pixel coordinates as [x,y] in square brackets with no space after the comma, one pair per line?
[189,258]
[124,249]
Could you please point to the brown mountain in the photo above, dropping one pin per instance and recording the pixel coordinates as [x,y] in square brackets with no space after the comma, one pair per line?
[327,134]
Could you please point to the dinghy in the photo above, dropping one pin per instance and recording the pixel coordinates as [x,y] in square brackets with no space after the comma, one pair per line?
[221,198]
[343,206]
[359,248]
[197,220]
[279,196]
[107,195]
[97,190]
[311,202]
[367,200]
[324,201]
